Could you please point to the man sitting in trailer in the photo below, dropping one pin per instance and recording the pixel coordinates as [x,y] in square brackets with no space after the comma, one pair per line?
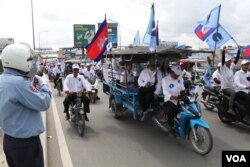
[127,77]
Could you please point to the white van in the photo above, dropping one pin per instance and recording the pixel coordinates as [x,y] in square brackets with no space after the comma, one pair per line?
[197,67]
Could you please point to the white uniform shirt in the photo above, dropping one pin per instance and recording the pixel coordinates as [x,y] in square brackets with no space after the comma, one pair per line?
[127,77]
[217,75]
[145,77]
[241,82]
[172,87]
[77,84]
[88,74]
[117,68]
[57,70]
[227,76]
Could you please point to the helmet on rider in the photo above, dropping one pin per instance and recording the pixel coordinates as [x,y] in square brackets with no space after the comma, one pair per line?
[18,56]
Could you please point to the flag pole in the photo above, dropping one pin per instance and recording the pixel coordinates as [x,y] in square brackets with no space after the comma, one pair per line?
[216,34]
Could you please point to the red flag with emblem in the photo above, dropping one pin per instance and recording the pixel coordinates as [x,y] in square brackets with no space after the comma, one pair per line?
[97,46]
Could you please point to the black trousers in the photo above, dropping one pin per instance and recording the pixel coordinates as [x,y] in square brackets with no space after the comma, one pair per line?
[146,97]
[171,110]
[60,82]
[69,98]
[23,152]
[244,98]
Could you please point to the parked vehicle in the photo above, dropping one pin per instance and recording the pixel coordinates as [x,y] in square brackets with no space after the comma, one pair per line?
[77,114]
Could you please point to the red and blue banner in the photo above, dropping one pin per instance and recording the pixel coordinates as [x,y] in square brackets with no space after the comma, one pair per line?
[97,46]
[202,32]
[246,52]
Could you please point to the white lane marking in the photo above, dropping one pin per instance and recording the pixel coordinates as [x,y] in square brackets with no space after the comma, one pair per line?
[65,156]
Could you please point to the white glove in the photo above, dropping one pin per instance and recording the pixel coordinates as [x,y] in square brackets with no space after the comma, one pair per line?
[41,80]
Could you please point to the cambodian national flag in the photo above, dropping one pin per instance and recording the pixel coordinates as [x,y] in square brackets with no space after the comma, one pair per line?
[202,32]
[246,52]
[97,46]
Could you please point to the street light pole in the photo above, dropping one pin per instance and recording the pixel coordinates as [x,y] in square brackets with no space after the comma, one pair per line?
[33,32]
[120,39]
[39,36]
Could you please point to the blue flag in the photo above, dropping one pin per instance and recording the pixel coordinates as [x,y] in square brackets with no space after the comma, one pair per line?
[220,38]
[207,77]
[212,19]
[150,35]
[136,41]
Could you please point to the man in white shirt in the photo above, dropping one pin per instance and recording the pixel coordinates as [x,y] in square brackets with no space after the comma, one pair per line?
[172,85]
[75,83]
[149,83]
[57,72]
[242,85]
[217,78]
[127,76]
[88,72]
[227,74]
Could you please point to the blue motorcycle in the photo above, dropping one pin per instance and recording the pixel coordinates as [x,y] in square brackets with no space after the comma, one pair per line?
[188,123]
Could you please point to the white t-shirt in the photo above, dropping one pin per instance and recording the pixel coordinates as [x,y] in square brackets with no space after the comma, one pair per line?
[241,82]
[227,76]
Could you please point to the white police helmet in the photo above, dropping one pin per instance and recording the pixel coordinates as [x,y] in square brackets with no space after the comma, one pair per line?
[18,56]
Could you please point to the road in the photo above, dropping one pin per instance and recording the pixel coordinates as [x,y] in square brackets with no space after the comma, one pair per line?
[109,142]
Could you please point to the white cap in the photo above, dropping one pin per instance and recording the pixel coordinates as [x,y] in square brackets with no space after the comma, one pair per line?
[176,69]
[228,58]
[219,65]
[245,61]
[75,66]
[88,64]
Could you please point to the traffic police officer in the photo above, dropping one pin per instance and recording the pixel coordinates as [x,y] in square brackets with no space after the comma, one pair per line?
[20,108]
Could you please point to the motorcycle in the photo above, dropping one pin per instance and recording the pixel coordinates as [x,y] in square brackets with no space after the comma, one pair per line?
[77,114]
[210,97]
[58,85]
[238,107]
[188,123]
[94,82]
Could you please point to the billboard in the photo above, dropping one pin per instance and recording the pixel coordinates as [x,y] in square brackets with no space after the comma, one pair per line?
[83,34]
[5,41]
[112,33]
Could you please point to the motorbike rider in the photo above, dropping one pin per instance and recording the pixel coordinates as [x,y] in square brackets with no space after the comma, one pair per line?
[217,78]
[74,83]
[172,86]
[242,85]
[89,74]
[227,74]
[57,72]
[21,104]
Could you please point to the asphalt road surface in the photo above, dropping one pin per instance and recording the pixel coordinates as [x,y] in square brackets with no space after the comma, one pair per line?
[125,142]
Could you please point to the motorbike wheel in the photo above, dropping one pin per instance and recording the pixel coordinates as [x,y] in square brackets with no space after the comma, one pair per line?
[223,118]
[93,98]
[81,124]
[58,88]
[204,142]
[207,105]
[115,108]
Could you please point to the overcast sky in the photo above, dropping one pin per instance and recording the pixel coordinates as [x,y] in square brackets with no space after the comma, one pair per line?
[177,19]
